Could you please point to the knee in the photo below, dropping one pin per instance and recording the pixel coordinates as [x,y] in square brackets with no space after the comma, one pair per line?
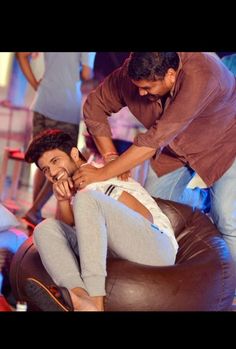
[42,231]
[84,198]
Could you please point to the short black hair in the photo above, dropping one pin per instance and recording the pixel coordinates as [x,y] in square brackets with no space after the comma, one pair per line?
[151,65]
[48,140]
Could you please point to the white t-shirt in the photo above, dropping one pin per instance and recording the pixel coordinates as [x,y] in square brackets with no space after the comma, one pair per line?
[114,187]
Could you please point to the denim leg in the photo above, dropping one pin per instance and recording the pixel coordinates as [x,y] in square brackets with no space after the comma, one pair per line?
[223,207]
[173,186]
[169,186]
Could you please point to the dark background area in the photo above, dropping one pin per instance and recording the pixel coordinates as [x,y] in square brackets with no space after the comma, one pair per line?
[222,54]
[106,62]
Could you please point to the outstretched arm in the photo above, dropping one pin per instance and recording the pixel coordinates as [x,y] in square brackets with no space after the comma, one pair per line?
[109,153]
[129,159]
[105,145]
[99,105]
[23,58]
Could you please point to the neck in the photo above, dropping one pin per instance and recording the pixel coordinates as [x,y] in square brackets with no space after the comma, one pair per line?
[80,163]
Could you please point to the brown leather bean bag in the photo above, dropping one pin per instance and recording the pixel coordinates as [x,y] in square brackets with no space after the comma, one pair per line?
[203,279]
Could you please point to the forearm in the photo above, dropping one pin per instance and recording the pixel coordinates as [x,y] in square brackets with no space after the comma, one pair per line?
[129,159]
[104,145]
[65,212]
[23,58]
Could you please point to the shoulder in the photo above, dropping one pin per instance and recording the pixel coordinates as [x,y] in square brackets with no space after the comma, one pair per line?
[200,63]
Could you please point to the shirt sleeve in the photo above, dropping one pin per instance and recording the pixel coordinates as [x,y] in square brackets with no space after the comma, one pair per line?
[113,191]
[88,58]
[102,102]
[195,94]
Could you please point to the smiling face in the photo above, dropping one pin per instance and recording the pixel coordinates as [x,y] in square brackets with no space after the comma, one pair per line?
[56,164]
[154,90]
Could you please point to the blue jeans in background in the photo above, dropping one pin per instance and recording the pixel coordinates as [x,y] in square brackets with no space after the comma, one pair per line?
[219,200]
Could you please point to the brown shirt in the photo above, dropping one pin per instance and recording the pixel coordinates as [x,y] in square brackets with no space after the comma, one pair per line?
[197,126]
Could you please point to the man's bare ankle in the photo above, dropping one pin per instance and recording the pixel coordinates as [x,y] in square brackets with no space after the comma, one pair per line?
[79,291]
[99,302]
[82,301]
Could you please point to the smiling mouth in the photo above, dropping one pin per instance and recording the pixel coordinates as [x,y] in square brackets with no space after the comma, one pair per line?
[60,176]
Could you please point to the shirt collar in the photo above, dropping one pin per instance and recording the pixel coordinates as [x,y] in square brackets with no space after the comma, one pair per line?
[177,74]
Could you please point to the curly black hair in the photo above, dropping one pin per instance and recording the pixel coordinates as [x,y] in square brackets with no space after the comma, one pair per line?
[151,65]
[48,140]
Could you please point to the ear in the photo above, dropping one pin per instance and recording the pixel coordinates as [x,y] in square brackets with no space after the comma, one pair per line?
[74,154]
[171,73]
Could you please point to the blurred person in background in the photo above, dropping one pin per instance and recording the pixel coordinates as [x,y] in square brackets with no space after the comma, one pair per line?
[57,104]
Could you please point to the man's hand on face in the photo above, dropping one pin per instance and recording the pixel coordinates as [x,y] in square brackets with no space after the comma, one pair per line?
[64,189]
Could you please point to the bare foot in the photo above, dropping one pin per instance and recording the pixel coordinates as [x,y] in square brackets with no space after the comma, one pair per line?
[82,303]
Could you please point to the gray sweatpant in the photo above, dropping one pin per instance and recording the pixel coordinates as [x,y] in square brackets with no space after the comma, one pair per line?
[77,257]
